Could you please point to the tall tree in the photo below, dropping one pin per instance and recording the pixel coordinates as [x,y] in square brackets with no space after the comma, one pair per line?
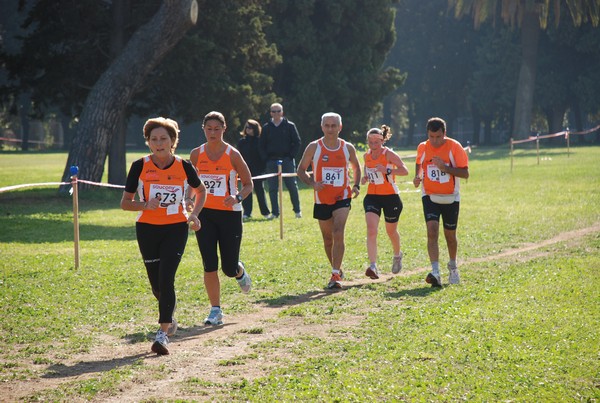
[117,85]
[223,63]
[530,16]
[492,85]
[333,54]
[433,50]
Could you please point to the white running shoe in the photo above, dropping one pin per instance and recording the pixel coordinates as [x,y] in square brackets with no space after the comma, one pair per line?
[160,343]
[299,214]
[397,264]
[215,316]
[453,277]
[245,282]
[172,328]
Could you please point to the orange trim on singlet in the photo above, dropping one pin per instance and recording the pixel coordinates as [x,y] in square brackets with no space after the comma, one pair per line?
[219,178]
[332,166]
[453,154]
[167,184]
[388,184]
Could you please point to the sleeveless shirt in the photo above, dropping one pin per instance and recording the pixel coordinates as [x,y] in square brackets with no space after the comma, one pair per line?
[219,178]
[331,167]
[379,183]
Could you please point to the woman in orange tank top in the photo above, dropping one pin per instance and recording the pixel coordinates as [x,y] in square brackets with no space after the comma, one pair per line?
[381,166]
[219,166]
[161,179]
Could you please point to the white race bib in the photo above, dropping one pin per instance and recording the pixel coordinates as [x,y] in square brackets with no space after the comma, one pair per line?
[437,175]
[374,176]
[215,184]
[333,176]
[170,196]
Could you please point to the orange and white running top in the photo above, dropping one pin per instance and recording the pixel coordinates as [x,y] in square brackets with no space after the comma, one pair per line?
[434,180]
[219,178]
[379,183]
[169,186]
[331,167]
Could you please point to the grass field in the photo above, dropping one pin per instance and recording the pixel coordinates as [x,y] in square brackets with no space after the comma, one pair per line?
[523,325]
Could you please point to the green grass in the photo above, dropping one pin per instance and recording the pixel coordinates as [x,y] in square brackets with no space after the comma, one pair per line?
[522,328]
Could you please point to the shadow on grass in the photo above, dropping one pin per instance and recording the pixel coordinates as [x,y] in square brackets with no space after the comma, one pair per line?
[183,333]
[84,367]
[42,215]
[36,230]
[291,300]
[93,366]
[414,292]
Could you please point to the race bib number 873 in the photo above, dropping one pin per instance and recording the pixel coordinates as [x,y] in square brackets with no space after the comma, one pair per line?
[170,196]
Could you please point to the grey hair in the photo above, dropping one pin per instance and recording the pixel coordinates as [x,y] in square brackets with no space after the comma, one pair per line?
[331,115]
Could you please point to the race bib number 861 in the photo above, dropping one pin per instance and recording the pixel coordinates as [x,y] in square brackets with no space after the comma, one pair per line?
[333,176]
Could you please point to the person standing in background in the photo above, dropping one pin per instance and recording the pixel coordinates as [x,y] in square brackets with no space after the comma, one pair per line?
[280,141]
[440,162]
[161,180]
[248,147]
[381,165]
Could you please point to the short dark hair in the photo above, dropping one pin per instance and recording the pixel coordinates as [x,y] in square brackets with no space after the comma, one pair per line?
[170,126]
[435,124]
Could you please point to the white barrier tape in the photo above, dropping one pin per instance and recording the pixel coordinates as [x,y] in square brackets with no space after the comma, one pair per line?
[265,176]
[20,141]
[108,185]
[29,185]
[585,131]
[559,134]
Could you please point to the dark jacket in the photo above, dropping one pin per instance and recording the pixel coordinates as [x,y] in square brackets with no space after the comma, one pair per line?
[248,147]
[277,142]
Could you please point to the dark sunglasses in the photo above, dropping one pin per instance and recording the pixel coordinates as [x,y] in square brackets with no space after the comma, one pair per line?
[275,110]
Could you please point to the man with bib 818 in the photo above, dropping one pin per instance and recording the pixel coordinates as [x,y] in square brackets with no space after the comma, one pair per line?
[440,162]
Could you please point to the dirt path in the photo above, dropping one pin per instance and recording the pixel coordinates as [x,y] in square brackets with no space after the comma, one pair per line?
[201,352]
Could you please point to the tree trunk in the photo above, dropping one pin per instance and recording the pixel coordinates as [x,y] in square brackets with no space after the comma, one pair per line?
[530,34]
[487,131]
[117,171]
[23,107]
[117,85]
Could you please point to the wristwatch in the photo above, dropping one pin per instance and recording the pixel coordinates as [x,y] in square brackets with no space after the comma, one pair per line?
[389,171]
[239,198]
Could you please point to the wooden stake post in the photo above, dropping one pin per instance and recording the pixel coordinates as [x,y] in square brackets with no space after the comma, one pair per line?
[74,170]
[280,177]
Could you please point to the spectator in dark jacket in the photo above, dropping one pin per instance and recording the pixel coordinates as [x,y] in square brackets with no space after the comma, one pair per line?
[248,147]
[280,141]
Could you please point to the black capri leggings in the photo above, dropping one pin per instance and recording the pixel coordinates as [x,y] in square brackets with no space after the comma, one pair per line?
[225,228]
[162,247]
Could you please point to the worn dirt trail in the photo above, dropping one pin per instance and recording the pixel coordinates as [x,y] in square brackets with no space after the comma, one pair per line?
[199,352]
